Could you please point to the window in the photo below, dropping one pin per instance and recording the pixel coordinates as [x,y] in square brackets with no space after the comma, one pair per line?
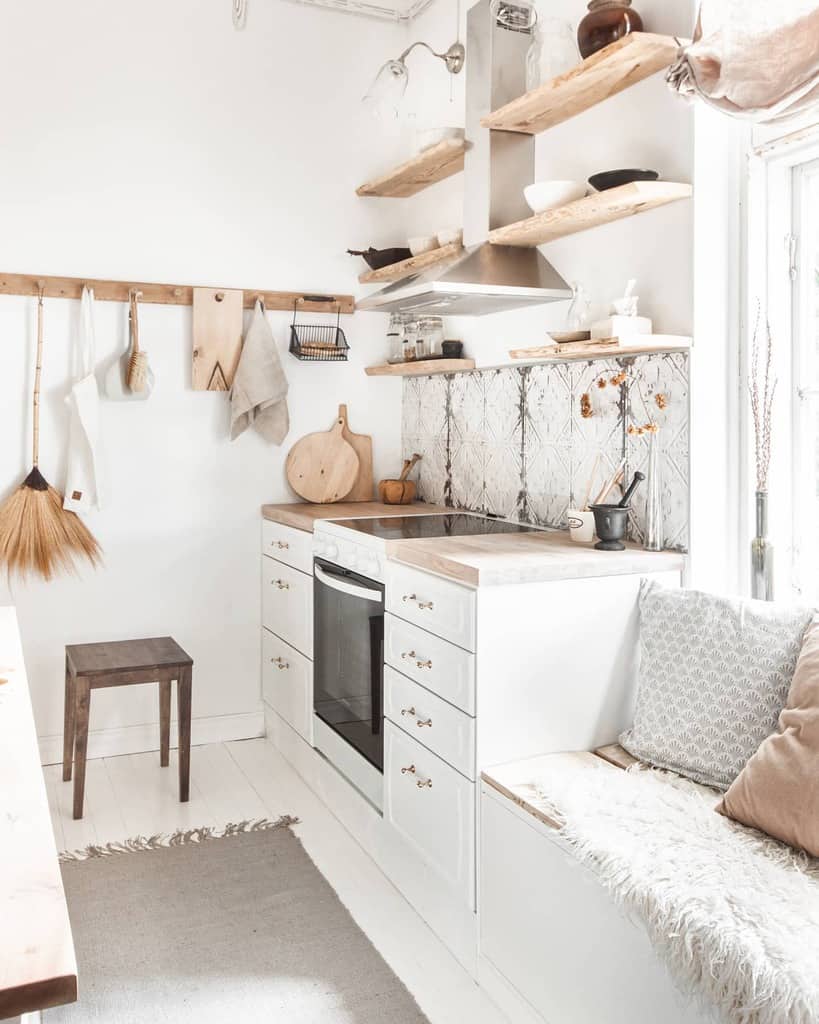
[783,275]
[804,271]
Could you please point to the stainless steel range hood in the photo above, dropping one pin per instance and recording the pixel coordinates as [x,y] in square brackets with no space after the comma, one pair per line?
[486,278]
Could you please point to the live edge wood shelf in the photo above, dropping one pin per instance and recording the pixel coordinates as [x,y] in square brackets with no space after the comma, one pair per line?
[589,212]
[414,265]
[419,172]
[604,74]
[420,368]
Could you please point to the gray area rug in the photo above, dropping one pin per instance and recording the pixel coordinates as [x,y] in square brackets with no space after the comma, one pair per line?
[220,926]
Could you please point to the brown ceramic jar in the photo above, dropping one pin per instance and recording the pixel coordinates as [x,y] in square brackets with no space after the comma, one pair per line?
[606,22]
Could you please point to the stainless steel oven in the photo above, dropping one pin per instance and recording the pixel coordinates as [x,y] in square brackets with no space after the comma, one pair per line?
[348,658]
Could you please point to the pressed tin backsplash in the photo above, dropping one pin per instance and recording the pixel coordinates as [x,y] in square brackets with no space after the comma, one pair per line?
[513,441]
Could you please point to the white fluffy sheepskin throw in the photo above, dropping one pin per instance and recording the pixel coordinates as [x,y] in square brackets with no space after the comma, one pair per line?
[733,913]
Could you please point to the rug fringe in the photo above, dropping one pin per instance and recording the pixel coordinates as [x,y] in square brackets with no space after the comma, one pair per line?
[141,844]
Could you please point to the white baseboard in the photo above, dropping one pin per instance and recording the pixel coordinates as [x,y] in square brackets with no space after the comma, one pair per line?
[136,739]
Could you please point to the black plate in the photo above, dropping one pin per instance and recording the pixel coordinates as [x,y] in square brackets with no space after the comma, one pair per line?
[611,179]
[378,258]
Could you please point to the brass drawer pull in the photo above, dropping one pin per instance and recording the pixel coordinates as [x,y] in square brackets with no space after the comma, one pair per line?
[281,584]
[282,545]
[424,784]
[409,655]
[424,664]
[408,771]
[280,663]
[414,714]
[422,605]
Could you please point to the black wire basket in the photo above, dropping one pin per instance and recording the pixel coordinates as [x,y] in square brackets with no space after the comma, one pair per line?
[318,342]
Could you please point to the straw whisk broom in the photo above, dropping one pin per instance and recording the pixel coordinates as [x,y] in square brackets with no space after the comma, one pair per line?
[37,535]
[138,365]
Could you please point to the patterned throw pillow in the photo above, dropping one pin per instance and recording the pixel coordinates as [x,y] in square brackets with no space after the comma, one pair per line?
[714,675]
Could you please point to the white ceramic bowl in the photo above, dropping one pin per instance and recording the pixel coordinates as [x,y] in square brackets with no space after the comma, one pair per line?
[547,195]
[427,137]
[422,243]
[450,236]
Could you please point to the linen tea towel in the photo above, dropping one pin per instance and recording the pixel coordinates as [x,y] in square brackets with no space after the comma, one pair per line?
[258,397]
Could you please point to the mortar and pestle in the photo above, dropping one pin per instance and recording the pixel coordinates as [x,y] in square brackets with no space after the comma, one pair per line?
[400,491]
[610,521]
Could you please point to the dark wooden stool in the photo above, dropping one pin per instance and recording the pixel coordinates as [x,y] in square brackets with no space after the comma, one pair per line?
[119,663]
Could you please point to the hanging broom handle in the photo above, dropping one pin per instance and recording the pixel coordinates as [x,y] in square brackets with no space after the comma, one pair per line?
[134,322]
[37,374]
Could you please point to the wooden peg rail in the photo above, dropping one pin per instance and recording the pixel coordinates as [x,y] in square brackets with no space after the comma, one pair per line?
[163,294]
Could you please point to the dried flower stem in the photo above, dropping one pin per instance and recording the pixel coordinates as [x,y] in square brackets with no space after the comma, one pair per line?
[761,390]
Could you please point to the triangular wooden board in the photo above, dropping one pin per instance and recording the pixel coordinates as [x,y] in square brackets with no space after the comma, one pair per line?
[217,337]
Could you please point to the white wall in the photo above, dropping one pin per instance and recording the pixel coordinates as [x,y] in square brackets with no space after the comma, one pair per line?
[151,141]
[645,126]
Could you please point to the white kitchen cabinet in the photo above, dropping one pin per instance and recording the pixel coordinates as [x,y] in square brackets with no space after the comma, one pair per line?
[293,547]
[433,807]
[436,664]
[442,728]
[437,605]
[287,683]
[287,604]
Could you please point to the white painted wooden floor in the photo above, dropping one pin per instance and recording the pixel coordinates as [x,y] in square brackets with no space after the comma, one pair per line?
[130,795]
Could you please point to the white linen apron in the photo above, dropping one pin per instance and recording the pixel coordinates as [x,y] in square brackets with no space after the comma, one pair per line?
[84,484]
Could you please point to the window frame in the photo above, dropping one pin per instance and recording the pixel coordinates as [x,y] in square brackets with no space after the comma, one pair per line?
[780,262]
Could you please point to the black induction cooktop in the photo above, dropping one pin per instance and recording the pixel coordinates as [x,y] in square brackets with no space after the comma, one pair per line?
[424,527]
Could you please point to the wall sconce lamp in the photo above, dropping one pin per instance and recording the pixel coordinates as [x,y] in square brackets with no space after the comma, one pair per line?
[390,84]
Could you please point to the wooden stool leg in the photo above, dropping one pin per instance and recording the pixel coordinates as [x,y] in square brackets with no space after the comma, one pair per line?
[68,725]
[82,692]
[164,723]
[183,711]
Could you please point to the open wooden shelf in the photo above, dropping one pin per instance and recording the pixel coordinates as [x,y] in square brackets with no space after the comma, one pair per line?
[653,344]
[414,265]
[425,168]
[605,73]
[420,368]
[589,212]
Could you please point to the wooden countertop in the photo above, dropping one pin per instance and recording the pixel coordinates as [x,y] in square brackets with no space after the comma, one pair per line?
[37,964]
[302,516]
[493,560]
[498,559]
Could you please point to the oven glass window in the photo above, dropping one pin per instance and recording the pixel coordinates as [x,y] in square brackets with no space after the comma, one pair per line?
[348,657]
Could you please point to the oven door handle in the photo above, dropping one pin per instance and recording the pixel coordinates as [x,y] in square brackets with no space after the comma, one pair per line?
[344,587]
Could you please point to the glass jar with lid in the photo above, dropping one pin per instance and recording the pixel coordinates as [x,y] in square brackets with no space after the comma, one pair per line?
[431,330]
[395,337]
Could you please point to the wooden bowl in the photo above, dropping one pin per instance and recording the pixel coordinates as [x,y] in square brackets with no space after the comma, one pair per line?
[397,492]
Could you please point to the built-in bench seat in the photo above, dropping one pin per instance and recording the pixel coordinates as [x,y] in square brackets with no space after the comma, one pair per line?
[555,944]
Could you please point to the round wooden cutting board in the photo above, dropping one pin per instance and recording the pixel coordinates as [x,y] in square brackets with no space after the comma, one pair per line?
[322,467]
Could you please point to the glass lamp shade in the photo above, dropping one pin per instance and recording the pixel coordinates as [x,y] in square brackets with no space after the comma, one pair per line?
[388,88]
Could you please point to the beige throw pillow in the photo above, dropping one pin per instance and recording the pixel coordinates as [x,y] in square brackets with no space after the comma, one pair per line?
[778,789]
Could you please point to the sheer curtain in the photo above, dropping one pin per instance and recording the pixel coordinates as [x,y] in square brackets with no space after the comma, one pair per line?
[753,58]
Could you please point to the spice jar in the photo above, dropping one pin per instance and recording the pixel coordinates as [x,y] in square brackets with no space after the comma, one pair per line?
[410,338]
[606,22]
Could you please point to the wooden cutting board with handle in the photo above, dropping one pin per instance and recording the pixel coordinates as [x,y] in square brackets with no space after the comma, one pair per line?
[362,445]
[322,467]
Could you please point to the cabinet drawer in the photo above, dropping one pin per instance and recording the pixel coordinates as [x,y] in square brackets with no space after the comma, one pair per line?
[287,683]
[436,664]
[287,604]
[294,547]
[441,728]
[443,608]
[433,807]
